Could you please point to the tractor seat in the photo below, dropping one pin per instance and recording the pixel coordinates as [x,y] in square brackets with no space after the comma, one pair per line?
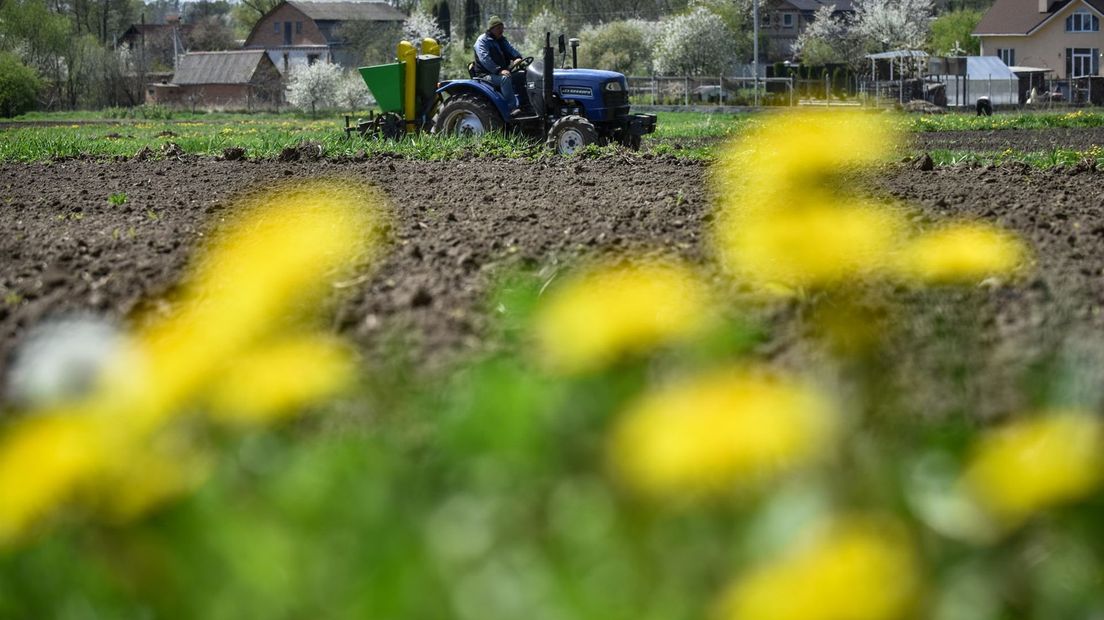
[479,75]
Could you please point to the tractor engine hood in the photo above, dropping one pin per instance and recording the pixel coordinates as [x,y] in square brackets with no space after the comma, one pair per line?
[584,83]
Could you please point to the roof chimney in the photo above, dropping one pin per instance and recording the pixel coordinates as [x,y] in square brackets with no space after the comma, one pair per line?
[1044,6]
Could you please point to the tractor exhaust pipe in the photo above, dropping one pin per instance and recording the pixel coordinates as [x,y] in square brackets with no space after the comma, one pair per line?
[549,69]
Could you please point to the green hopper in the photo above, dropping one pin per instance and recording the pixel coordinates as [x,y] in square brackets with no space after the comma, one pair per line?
[386,84]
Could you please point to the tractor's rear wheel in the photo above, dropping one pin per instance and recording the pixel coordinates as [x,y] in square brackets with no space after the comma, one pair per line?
[467,115]
[570,134]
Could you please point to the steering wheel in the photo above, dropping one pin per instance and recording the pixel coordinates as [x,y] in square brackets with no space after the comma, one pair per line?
[520,64]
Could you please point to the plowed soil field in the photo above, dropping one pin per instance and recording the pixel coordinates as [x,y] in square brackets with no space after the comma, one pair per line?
[66,249]
[1020,140]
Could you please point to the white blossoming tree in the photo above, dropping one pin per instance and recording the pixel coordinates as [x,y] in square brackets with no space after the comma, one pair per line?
[695,43]
[422,25]
[876,25]
[314,87]
[831,37]
[352,93]
[545,21]
[894,23]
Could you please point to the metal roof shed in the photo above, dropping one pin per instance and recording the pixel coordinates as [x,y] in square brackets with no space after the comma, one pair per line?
[986,76]
[898,56]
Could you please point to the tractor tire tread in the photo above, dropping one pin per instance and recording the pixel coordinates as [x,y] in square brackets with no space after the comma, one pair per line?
[475,103]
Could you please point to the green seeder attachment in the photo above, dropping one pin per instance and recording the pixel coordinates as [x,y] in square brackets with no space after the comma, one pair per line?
[406,91]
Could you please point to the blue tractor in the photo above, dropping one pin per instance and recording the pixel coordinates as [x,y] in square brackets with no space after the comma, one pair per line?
[572,107]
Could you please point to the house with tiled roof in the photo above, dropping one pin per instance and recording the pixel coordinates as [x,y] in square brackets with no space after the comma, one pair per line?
[782,21]
[235,80]
[1061,35]
[297,32]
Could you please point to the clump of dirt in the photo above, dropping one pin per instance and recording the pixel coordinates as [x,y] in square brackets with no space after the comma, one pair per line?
[172,149]
[304,151]
[233,153]
[923,107]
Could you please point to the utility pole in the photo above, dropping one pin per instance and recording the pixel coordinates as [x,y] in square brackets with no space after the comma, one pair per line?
[755,48]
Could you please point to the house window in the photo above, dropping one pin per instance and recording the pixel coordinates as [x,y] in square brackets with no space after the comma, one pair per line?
[312,58]
[1007,55]
[1082,61]
[787,20]
[1082,21]
[276,27]
[298,27]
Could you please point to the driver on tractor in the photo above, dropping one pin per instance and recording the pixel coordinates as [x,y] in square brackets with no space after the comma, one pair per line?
[497,61]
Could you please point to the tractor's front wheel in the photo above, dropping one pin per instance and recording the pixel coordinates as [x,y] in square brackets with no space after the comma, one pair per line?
[466,115]
[570,134]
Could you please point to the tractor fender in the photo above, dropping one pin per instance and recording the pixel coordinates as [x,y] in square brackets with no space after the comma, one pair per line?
[479,88]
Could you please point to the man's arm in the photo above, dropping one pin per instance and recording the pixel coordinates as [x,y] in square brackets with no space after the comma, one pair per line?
[511,51]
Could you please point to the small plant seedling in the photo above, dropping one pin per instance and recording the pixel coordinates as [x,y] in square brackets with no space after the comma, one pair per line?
[12,299]
[152,215]
[117,199]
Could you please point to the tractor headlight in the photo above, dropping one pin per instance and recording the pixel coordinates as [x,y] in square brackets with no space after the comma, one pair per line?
[614,87]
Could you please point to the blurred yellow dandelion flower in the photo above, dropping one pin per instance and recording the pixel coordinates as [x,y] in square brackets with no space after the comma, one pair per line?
[155,470]
[225,344]
[732,428]
[961,253]
[1034,464]
[813,141]
[782,220]
[783,161]
[858,569]
[252,279]
[612,309]
[274,380]
[42,458]
[811,246]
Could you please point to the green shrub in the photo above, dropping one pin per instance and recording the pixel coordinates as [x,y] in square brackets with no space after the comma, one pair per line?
[153,112]
[145,111]
[19,86]
[622,46]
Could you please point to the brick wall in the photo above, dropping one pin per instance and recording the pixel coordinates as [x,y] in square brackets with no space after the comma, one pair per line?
[213,97]
[270,31]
